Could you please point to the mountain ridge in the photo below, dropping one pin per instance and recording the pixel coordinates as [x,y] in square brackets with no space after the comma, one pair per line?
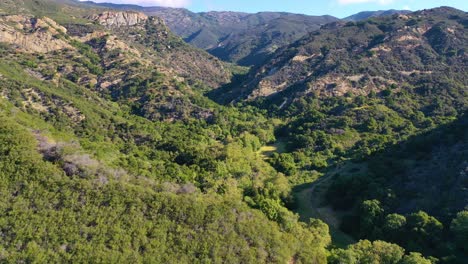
[369,14]
[371,41]
[232,36]
[120,142]
[224,34]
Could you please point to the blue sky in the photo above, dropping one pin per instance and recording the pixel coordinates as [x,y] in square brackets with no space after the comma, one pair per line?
[338,8]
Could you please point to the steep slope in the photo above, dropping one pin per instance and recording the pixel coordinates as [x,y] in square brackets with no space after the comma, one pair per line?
[115,53]
[29,34]
[433,162]
[85,177]
[166,49]
[253,45]
[364,57]
[238,37]
[351,91]
[400,182]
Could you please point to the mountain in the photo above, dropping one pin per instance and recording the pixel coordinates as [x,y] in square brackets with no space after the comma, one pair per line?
[369,14]
[243,38]
[186,61]
[171,51]
[110,153]
[376,110]
[363,57]
[119,50]
[115,147]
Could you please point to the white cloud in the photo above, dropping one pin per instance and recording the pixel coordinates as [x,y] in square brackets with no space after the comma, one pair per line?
[168,3]
[348,2]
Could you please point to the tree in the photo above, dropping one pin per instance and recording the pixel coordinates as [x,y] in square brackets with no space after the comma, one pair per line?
[371,214]
[366,252]
[425,230]
[394,222]
[393,226]
[460,228]
[285,163]
[414,258]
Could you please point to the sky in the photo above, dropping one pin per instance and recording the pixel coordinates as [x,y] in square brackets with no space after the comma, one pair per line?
[338,8]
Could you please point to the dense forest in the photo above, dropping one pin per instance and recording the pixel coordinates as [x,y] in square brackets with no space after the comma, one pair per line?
[119,142]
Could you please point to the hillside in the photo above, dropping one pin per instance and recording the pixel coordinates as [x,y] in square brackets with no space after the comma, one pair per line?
[370,14]
[364,57]
[243,38]
[89,173]
[352,90]
[165,49]
[114,146]
[114,53]
[400,183]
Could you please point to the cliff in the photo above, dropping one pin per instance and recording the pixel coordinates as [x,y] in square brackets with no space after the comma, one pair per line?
[119,19]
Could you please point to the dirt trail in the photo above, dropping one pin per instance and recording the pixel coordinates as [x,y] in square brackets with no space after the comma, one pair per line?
[310,205]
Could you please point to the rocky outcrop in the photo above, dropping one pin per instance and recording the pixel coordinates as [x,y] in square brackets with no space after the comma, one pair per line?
[119,19]
[31,34]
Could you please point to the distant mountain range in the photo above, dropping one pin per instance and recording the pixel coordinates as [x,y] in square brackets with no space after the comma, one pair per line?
[242,38]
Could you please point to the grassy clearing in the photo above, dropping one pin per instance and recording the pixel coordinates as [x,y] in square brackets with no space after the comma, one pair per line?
[267,151]
[309,198]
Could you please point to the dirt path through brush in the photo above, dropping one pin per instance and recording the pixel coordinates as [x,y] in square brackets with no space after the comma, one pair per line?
[310,205]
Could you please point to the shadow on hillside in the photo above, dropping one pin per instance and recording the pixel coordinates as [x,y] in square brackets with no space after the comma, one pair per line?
[230,92]
[426,172]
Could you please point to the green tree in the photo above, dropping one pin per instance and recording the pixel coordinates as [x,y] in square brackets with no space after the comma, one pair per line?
[425,230]
[371,214]
[415,258]
[459,228]
[285,163]
[366,252]
[393,227]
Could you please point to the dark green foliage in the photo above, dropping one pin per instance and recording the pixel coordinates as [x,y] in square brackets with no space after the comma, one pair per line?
[424,231]
[47,216]
[108,155]
[398,179]
[284,163]
[91,60]
[394,227]
[415,258]
[459,228]
[366,252]
[371,215]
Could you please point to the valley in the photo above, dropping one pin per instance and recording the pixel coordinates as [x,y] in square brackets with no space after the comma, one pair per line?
[133,134]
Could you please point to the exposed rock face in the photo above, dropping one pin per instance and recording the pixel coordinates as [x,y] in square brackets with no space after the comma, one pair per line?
[31,34]
[119,19]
